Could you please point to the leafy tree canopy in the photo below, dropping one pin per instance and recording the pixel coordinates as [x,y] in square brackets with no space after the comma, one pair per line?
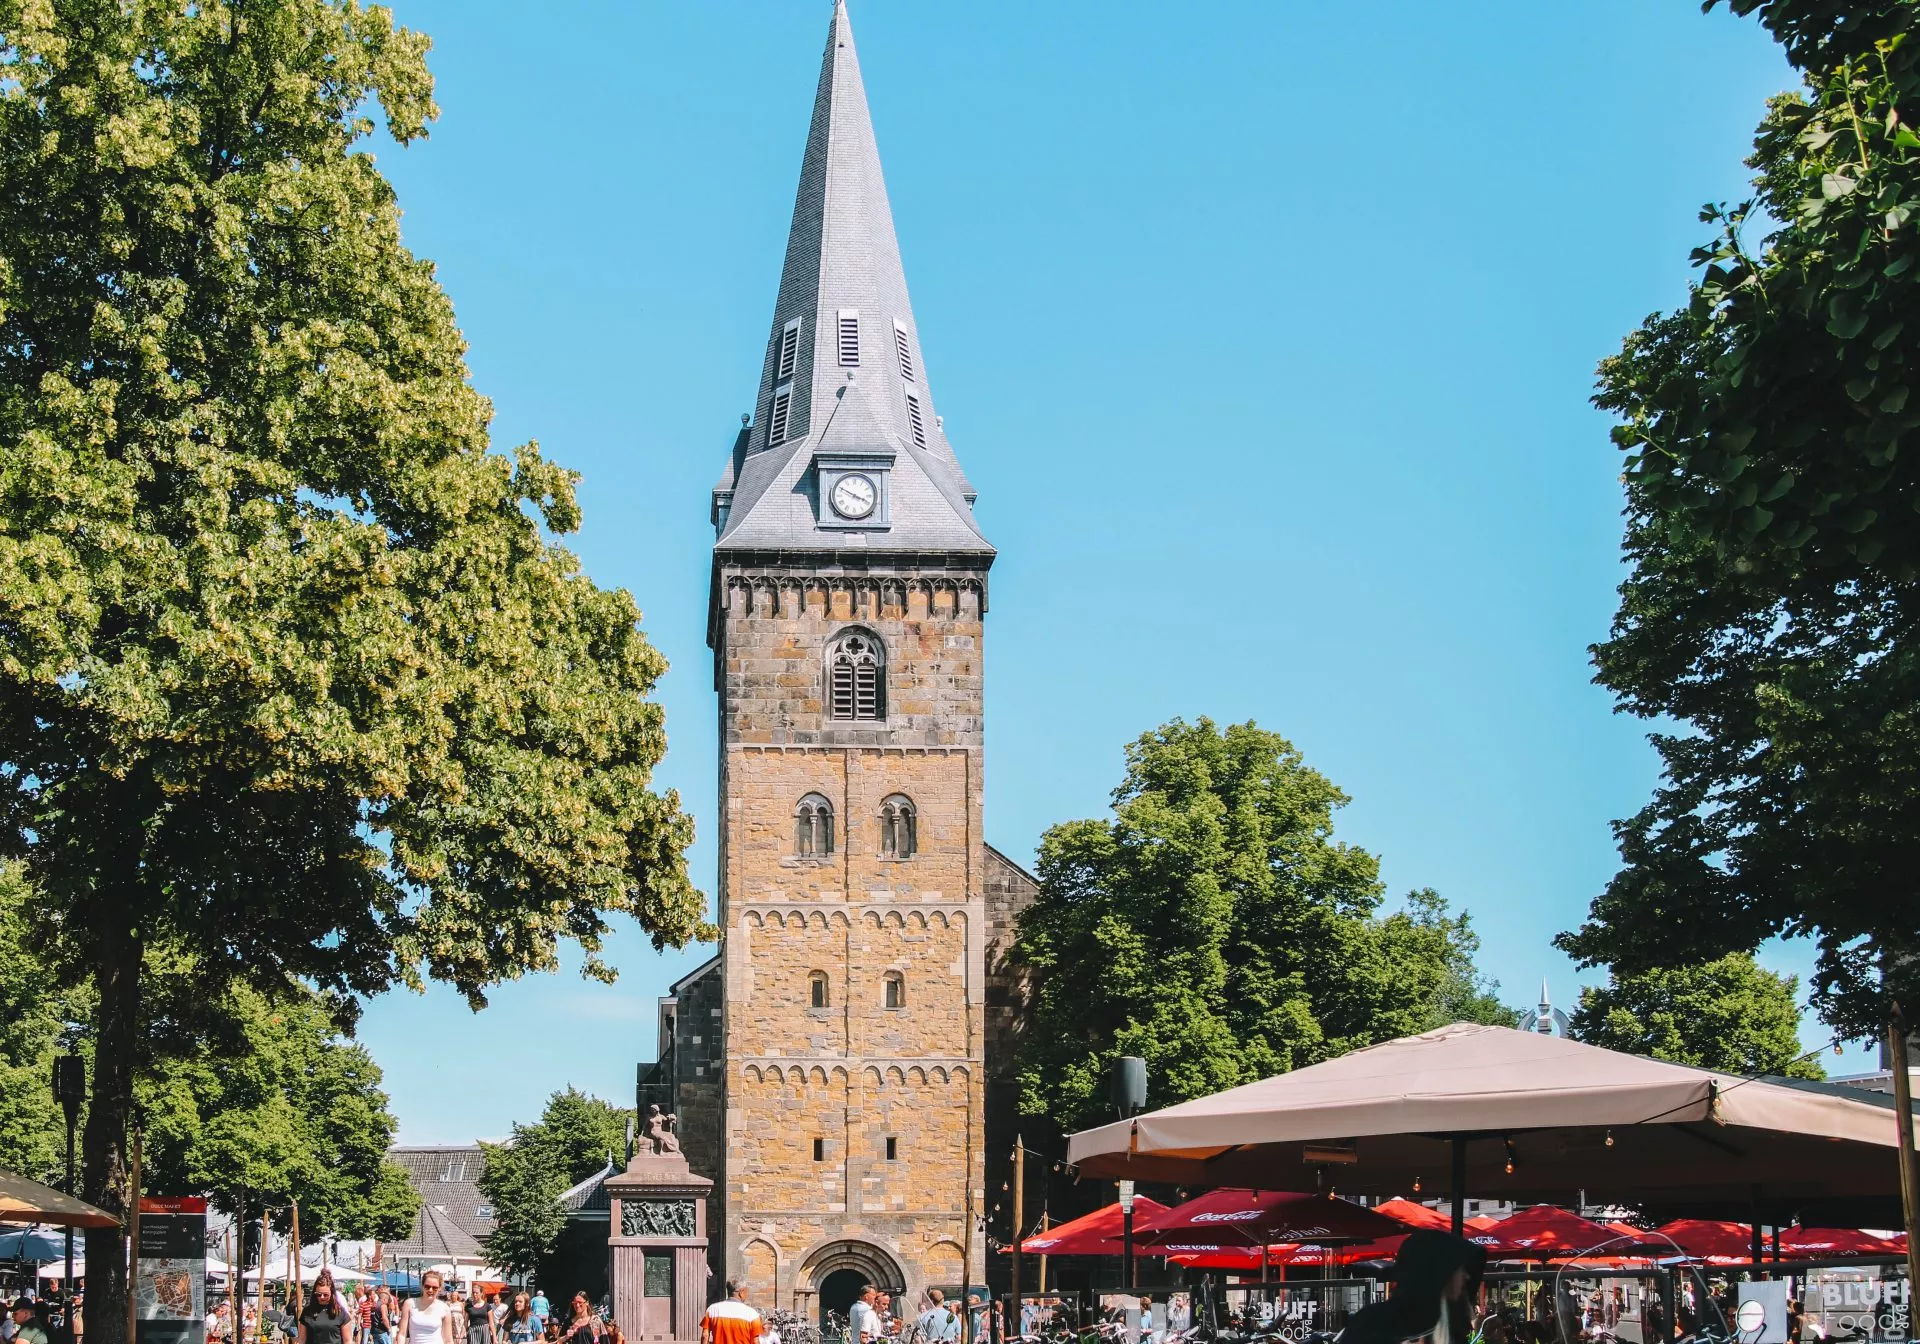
[524,1177]
[1214,927]
[277,1106]
[1770,611]
[294,681]
[1732,1014]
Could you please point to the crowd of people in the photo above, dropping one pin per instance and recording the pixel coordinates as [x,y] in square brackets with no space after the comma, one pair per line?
[376,1314]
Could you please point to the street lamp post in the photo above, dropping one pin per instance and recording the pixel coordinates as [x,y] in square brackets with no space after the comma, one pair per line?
[70,1090]
[1128,1082]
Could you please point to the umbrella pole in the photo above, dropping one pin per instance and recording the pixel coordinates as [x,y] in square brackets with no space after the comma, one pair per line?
[1459,1186]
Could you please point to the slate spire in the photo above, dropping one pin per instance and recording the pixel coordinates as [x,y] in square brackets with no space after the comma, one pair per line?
[843,379]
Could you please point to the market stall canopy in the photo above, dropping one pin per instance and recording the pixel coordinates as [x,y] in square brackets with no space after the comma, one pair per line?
[1262,1217]
[1096,1233]
[25,1201]
[1545,1232]
[308,1273]
[1721,1243]
[1538,1116]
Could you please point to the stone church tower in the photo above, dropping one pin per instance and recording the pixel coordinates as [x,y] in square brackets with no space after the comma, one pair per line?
[831,1066]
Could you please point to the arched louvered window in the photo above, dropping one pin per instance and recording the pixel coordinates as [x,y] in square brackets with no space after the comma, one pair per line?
[813,827]
[899,837]
[857,676]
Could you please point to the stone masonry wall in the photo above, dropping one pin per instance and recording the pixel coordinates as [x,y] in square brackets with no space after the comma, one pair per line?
[813,1095]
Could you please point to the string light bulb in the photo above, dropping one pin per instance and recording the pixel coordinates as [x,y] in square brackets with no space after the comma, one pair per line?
[1510,1157]
[1416,1185]
[1609,1138]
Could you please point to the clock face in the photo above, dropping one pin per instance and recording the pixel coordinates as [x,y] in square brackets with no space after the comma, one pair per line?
[853,496]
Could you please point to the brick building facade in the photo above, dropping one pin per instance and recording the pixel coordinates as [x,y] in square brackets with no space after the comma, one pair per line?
[838,1065]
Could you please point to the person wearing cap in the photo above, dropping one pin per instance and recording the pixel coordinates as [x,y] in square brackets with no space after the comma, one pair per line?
[28,1327]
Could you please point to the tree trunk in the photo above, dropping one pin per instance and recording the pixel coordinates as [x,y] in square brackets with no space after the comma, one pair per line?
[1903,1128]
[109,1118]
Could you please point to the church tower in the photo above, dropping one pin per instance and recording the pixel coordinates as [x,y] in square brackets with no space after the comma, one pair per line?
[846,619]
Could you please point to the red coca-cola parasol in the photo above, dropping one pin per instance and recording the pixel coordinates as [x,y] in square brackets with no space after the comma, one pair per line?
[1545,1232]
[1264,1217]
[1721,1243]
[1096,1233]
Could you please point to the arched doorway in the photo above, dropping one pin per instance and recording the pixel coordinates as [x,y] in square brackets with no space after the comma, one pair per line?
[839,1291]
[837,1271]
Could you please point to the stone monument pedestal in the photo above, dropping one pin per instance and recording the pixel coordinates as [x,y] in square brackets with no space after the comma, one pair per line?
[657,1243]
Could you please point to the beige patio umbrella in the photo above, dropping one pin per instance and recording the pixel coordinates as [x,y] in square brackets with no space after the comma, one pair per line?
[25,1201]
[1502,1114]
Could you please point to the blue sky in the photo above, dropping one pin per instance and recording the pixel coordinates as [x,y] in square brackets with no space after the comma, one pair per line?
[1265,330]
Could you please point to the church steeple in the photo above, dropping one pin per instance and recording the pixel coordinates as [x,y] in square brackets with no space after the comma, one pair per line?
[845,452]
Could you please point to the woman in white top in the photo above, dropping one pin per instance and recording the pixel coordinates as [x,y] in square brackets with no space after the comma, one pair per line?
[425,1319]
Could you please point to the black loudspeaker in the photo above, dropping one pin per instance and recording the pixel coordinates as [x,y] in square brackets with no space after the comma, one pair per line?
[1129,1084]
[69,1078]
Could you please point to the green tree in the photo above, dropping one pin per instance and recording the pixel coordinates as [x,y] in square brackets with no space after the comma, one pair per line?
[37,1021]
[278,1106]
[1731,1014]
[294,680]
[1770,613]
[524,1178]
[289,1112]
[1214,927]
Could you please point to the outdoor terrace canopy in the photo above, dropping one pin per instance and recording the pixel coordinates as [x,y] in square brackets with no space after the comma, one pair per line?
[1531,1117]
[25,1201]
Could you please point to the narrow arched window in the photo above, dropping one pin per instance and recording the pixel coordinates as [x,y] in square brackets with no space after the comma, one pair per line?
[894,990]
[899,831]
[813,827]
[856,676]
[817,990]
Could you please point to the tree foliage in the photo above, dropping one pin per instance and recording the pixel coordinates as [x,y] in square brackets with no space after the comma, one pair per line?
[276,1106]
[1215,927]
[1770,612]
[1732,1014]
[293,679]
[524,1177]
[37,1021]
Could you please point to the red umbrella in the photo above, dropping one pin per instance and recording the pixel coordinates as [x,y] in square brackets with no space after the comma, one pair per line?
[1263,1217]
[1817,1243]
[1096,1233]
[1721,1243]
[1415,1215]
[1543,1232]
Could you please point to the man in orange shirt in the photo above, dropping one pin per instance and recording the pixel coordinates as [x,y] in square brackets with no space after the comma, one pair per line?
[731,1320]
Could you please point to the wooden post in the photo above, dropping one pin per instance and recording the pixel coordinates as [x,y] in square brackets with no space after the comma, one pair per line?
[233,1289]
[1459,1187]
[133,1241]
[1045,1223]
[1019,1224]
[260,1294]
[1903,1127]
[293,1258]
[966,1260]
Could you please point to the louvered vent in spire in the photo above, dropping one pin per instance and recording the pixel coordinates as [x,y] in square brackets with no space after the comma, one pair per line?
[917,421]
[777,417]
[789,350]
[905,349]
[849,338]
